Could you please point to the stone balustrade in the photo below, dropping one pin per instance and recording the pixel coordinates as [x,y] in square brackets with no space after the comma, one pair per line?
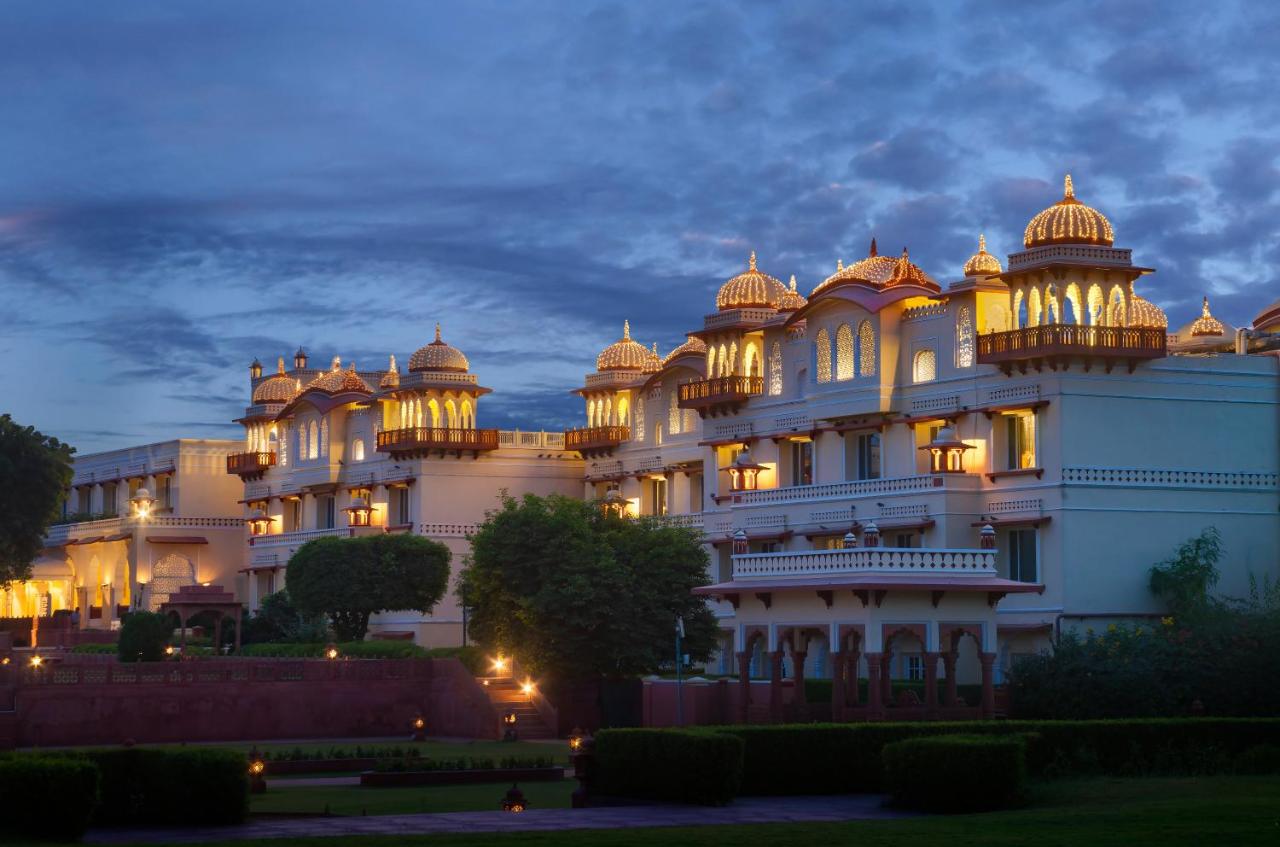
[864,559]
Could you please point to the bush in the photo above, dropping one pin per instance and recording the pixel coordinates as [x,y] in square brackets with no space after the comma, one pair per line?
[143,636]
[676,765]
[397,765]
[472,658]
[348,650]
[156,786]
[96,649]
[47,797]
[956,773]
[1262,760]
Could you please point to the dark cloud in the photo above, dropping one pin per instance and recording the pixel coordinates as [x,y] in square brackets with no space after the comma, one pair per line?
[190,189]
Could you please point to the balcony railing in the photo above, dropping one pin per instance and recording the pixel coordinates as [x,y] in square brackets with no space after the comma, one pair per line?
[852,488]
[596,439]
[421,439]
[250,464]
[864,559]
[1060,341]
[719,391]
[296,539]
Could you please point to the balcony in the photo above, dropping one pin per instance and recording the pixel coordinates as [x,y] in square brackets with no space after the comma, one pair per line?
[865,559]
[721,395]
[250,465]
[1058,344]
[596,440]
[422,440]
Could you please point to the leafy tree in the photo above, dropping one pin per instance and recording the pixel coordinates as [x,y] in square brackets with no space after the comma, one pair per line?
[37,469]
[1184,580]
[349,579]
[143,636]
[575,592]
[278,619]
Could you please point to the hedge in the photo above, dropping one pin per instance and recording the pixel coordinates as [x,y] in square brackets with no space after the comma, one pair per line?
[347,649]
[685,766]
[956,773]
[472,658]
[842,758]
[47,797]
[157,786]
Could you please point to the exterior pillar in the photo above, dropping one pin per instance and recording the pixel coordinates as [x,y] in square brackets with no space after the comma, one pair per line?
[854,696]
[874,690]
[744,685]
[799,659]
[931,684]
[252,579]
[775,687]
[949,668]
[838,699]
[217,635]
[988,661]
[886,682]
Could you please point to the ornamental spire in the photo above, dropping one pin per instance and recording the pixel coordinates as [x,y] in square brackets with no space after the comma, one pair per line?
[626,330]
[873,246]
[793,282]
[280,365]
[751,263]
[1204,310]
[438,341]
[336,365]
[982,243]
[1068,190]
[392,367]
[839,265]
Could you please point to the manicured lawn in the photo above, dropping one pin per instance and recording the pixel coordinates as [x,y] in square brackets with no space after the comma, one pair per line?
[1198,812]
[354,800]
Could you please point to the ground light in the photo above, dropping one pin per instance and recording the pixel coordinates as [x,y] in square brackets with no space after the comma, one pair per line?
[419,728]
[499,665]
[509,727]
[331,652]
[37,661]
[257,772]
[514,800]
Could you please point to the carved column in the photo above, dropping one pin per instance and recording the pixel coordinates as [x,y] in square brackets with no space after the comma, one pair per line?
[930,685]
[949,668]
[854,696]
[886,683]
[775,687]
[875,707]
[838,699]
[744,685]
[988,661]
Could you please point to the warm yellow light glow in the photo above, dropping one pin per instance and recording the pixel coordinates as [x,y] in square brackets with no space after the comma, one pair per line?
[528,688]
[37,661]
[331,653]
[257,767]
[419,723]
[168,650]
[499,665]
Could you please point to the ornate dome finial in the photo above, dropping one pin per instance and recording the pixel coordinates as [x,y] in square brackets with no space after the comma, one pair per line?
[1207,324]
[751,263]
[1204,310]
[1068,190]
[982,263]
[655,348]
[982,242]
[392,366]
[1068,221]
[626,330]
[280,365]
[438,341]
[438,356]
[337,364]
[793,282]
[792,299]
[839,265]
[751,289]
[873,248]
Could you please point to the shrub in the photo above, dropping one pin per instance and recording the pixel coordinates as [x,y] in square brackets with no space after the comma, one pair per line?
[677,765]
[461,764]
[143,636]
[96,649]
[956,773]
[1259,761]
[157,786]
[347,649]
[47,797]
[472,658]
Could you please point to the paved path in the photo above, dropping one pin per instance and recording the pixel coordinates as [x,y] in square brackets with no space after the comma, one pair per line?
[749,810]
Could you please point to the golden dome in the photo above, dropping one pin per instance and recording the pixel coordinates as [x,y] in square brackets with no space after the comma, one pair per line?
[277,388]
[1207,324]
[982,263]
[692,346]
[875,269]
[1145,313]
[438,356]
[792,300]
[751,289]
[906,272]
[391,379]
[336,380]
[625,354]
[1068,222]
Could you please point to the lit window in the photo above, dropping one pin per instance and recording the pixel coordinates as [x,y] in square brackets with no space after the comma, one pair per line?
[658,496]
[802,463]
[866,349]
[775,369]
[924,367]
[1021,556]
[673,415]
[311,442]
[822,352]
[357,450]
[844,353]
[640,419]
[964,338]
[1020,440]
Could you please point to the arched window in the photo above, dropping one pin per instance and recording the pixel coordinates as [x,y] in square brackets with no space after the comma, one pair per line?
[673,415]
[284,444]
[468,417]
[775,369]
[608,412]
[752,361]
[924,367]
[1095,305]
[313,441]
[1019,309]
[591,413]
[866,349]
[711,361]
[1033,308]
[357,450]
[1072,308]
[822,352]
[690,420]
[639,434]
[624,412]
[1116,311]
[723,361]
[324,437]
[451,414]
[657,435]
[844,353]
[733,359]
[171,573]
[433,408]
[964,338]
[997,318]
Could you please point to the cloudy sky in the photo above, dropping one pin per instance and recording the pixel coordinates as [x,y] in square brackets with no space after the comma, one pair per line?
[186,186]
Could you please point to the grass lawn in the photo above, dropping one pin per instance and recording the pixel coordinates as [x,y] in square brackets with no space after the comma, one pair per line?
[354,800]
[1199,812]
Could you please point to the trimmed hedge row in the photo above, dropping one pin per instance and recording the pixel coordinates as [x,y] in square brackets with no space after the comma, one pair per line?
[843,758]
[47,797]
[155,786]
[685,766]
[347,649]
[957,773]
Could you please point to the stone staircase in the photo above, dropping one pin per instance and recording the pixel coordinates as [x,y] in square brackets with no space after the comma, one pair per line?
[506,696]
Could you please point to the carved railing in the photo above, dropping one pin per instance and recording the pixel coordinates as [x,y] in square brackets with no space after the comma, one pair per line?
[250,463]
[721,389]
[596,437]
[890,559]
[414,438]
[1033,342]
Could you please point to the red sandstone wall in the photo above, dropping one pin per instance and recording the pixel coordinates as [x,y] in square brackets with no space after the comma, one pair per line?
[240,699]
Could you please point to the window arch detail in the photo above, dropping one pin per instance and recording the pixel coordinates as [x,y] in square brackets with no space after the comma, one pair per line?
[964,338]
[775,369]
[924,367]
[822,355]
[844,353]
[866,349]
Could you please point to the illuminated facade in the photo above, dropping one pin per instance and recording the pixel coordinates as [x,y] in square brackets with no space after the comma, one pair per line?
[344,451]
[844,454]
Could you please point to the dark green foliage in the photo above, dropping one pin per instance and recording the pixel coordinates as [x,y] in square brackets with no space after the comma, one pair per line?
[472,658]
[47,797]
[578,593]
[682,766]
[1185,580]
[278,619]
[143,636]
[43,467]
[1259,761]
[410,763]
[97,649]
[347,649]
[819,690]
[956,773]
[349,579]
[153,786]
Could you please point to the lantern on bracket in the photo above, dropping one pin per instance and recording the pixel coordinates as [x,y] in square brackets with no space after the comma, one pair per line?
[744,474]
[946,452]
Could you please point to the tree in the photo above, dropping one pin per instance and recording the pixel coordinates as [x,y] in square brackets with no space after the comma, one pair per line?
[143,636]
[1184,580]
[37,471]
[278,619]
[349,579]
[575,592]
